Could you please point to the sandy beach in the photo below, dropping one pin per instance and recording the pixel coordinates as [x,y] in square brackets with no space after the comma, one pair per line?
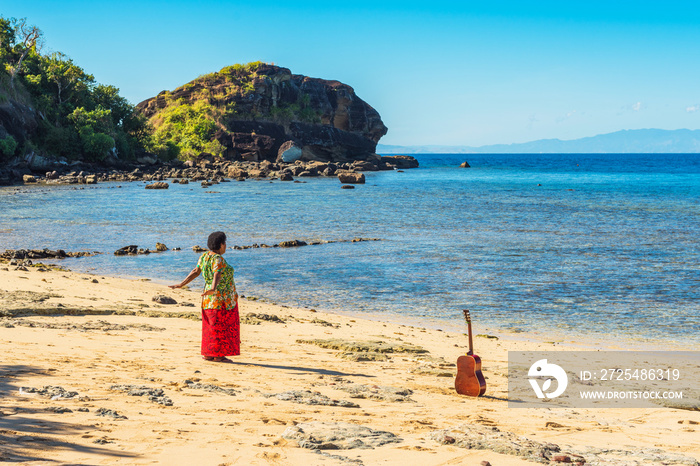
[95,372]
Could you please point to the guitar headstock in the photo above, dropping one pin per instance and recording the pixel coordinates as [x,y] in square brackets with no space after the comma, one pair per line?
[467,317]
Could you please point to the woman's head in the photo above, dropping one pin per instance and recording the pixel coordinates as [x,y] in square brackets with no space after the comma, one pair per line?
[216,240]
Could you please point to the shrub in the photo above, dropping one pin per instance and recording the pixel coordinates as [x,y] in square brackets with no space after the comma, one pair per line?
[8,146]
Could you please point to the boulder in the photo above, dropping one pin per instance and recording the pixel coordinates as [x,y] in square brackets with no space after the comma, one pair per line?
[289,152]
[147,159]
[28,178]
[354,178]
[162,299]
[465,164]
[292,244]
[364,166]
[160,247]
[131,249]
[400,161]
[158,185]
[286,176]
[236,172]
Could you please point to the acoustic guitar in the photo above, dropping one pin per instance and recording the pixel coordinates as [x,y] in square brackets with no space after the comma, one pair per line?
[470,381]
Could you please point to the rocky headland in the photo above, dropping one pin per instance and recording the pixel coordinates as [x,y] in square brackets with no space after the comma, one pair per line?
[245,121]
[264,112]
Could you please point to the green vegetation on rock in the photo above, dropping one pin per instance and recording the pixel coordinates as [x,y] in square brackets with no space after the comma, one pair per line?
[184,130]
[76,117]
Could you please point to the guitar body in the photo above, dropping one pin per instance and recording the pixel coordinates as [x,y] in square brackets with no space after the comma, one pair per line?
[470,381]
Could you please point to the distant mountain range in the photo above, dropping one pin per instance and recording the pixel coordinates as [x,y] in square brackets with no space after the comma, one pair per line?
[620,142]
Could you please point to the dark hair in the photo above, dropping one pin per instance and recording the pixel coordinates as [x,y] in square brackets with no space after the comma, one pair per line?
[215,240]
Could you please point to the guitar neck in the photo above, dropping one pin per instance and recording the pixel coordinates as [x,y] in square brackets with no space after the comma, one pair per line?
[471,343]
[469,327]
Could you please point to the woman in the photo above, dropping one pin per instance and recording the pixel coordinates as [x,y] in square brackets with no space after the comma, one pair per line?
[221,327]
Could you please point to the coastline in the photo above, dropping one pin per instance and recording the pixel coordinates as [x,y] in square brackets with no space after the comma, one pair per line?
[129,341]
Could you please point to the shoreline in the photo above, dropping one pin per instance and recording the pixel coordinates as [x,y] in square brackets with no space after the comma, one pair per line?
[557,337]
[286,380]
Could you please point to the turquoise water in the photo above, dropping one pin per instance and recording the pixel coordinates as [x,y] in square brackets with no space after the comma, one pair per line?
[575,245]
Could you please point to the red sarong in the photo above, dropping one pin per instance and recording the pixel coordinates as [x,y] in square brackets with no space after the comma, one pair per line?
[221,332]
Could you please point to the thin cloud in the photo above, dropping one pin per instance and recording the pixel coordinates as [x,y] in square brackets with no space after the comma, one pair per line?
[693,108]
[566,117]
[636,107]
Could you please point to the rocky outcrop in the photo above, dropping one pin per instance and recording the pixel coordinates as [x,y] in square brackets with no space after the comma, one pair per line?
[205,168]
[268,113]
[354,178]
[17,120]
[400,161]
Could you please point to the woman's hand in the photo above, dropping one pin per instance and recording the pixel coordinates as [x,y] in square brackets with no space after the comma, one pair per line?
[179,285]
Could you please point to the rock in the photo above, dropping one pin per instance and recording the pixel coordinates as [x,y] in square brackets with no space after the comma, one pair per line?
[160,247]
[132,249]
[485,463]
[286,176]
[209,387]
[375,392]
[401,161]
[337,436]
[364,166]
[28,179]
[156,395]
[465,164]
[292,244]
[488,437]
[357,346]
[325,120]
[308,397]
[109,413]
[289,152]
[59,410]
[255,319]
[162,299]
[50,391]
[147,159]
[91,179]
[198,249]
[158,185]
[355,178]
[235,172]
[347,186]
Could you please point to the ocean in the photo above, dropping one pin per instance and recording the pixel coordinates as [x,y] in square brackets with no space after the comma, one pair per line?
[560,246]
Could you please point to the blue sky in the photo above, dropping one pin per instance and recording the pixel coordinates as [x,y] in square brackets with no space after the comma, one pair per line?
[440,72]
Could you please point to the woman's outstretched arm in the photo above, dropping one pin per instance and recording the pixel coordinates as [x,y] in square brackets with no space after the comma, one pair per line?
[193,274]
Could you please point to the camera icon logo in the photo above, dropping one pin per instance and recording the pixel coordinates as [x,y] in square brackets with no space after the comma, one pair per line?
[541,369]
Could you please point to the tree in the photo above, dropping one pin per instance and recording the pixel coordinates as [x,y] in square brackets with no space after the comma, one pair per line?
[26,39]
[95,128]
[67,78]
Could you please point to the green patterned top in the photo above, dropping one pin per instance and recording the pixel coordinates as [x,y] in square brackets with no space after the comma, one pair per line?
[209,263]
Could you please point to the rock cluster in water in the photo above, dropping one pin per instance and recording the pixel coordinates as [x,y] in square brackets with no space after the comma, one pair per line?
[205,168]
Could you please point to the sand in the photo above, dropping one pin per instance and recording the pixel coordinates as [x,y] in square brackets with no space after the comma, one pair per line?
[102,337]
